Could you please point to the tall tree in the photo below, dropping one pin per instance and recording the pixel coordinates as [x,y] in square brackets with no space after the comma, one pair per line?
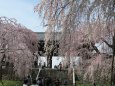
[69,15]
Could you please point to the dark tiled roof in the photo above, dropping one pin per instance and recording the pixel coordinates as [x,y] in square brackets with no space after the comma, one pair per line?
[41,35]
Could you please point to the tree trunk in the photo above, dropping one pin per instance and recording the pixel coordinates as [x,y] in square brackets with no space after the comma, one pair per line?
[114,79]
[112,64]
[1,62]
[50,55]
[49,60]
[0,71]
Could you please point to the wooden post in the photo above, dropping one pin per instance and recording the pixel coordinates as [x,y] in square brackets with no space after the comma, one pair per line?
[73,77]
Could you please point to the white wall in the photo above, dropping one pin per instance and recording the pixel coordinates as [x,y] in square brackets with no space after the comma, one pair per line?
[55,60]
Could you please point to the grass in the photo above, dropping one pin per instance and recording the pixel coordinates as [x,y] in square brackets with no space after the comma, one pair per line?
[19,83]
[78,83]
[11,83]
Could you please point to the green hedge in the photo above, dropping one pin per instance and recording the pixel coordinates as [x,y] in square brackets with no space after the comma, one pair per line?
[11,83]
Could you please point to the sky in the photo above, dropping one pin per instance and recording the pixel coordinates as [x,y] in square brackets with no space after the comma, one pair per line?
[23,12]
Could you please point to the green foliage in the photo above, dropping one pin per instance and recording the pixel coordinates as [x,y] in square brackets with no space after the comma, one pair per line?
[11,83]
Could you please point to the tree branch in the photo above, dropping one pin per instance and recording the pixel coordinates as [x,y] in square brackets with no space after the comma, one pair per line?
[95,48]
[109,45]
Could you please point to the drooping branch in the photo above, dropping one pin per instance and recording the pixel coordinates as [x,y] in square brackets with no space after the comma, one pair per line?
[18,44]
[74,18]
